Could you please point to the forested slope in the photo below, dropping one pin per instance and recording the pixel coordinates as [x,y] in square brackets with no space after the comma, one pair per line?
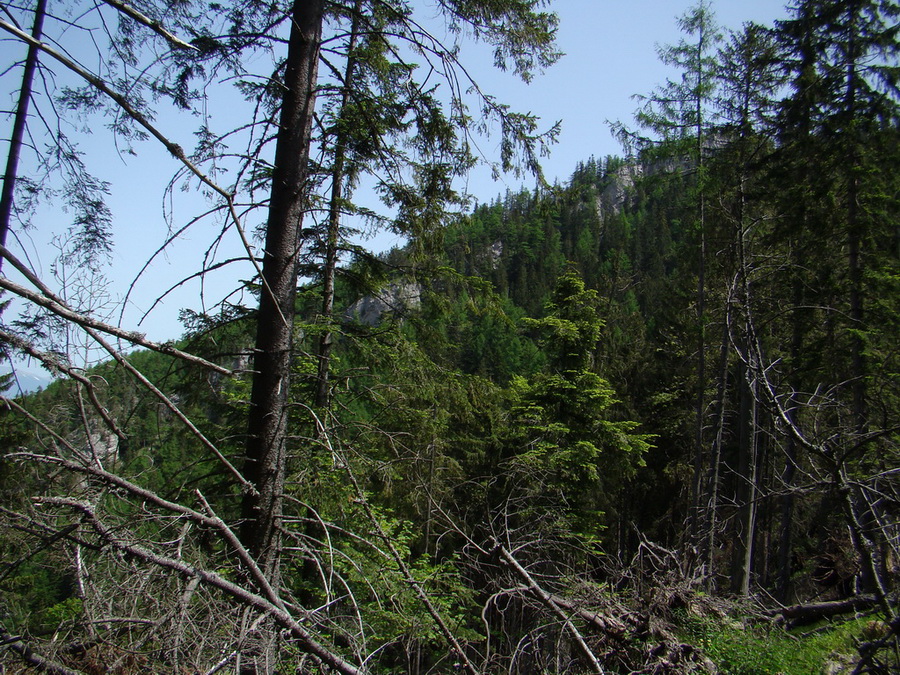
[536,385]
[643,421]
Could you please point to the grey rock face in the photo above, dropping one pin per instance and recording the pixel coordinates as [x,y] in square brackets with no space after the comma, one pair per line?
[396,298]
[611,200]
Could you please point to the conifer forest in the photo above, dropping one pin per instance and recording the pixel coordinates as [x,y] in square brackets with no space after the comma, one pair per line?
[646,420]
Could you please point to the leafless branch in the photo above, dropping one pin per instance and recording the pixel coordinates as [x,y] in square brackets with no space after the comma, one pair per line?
[32,658]
[304,638]
[50,301]
[152,24]
[556,609]
[53,364]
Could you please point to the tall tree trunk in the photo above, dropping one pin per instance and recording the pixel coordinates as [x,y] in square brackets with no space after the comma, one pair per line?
[858,367]
[711,493]
[332,235]
[789,473]
[747,476]
[322,395]
[748,422]
[799,210]
[855,237]
[700,401]
[264,465]
[15,141]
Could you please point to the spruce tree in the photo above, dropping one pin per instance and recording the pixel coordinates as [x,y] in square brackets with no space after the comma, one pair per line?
[749,80]
[567,451]
[680,117]
[837,57]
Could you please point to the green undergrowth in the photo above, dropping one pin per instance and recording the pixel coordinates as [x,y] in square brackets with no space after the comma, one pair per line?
[770,650]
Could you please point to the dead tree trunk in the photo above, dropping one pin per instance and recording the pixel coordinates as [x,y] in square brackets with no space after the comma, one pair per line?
[747,486]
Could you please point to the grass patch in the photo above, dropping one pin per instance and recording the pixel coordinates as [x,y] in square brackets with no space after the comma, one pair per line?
[770,650]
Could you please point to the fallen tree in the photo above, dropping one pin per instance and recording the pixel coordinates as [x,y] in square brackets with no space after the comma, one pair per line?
[799,615]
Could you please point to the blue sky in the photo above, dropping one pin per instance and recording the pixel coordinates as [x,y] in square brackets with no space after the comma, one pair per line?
[611,55]
[610,51]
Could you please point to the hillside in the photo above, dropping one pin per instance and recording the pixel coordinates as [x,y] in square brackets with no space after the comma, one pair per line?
[645,420]
[534,376]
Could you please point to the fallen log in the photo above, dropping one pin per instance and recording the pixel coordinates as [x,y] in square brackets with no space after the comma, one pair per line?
[799,615]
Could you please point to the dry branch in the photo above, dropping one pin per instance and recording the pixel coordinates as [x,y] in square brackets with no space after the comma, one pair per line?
[174,149]
[52,363]
[147,496]
[398,559]
[32,658]
[604,624]
[48,300]
[547,600]
[152,24]
[305,640]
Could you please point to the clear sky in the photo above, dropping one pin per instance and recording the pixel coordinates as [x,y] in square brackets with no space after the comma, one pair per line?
[610,55]
[610,51]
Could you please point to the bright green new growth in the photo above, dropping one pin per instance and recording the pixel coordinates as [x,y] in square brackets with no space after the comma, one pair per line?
[563,438]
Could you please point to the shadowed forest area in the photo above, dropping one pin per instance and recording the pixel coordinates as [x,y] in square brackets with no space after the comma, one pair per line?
[645,421]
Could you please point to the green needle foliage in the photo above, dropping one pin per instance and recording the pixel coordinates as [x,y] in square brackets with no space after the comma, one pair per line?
[573,408]
[562,439]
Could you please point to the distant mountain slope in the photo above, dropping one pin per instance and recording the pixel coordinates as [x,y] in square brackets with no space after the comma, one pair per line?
[27,380]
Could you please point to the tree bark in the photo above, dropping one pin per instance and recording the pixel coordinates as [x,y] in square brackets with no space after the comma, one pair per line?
[700,400]
[803,614]
[264,463]
[747,477]
[711,493]
[799,211]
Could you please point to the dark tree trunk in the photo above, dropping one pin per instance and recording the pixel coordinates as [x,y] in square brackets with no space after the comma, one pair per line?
[264,466]
[800,118]
[332,235]
[854,241]
[700,401]
[15,141]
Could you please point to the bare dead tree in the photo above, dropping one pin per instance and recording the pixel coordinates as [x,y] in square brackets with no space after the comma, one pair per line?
[822,424]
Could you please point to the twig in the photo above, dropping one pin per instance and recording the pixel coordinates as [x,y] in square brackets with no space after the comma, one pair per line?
[49,300]
[52,363]
[174,149]
[29,656]
[304,638]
